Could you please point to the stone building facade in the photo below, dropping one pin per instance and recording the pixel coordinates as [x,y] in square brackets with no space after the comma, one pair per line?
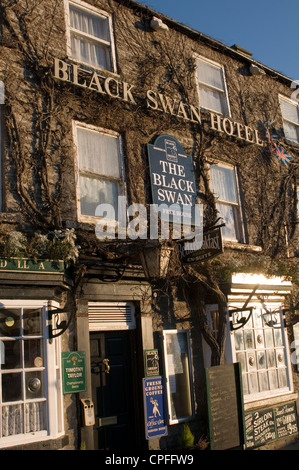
[109,108]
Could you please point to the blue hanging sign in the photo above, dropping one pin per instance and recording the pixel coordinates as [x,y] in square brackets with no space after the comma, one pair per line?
[172,181]
[154,407]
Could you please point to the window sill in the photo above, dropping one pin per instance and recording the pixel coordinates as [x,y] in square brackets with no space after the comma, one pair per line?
[271,401]
[50,444]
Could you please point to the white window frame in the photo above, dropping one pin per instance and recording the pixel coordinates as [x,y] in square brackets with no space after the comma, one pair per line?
[237,206]
[211,87]
[291,102]
[121,180]
[169,367]
[251,397]
[53,383]
[95,11]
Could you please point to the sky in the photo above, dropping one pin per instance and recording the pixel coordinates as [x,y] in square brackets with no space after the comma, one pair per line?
[269,29]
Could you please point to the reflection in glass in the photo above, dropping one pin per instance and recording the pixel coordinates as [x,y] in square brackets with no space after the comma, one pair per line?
[263,380]
[12,354]
[248,339]
[34,384]
[273,379]
[33,353]
[32,322]
[239,342]
[177,357]
[253,383]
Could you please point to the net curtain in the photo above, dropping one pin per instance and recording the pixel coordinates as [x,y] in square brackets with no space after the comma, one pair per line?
[90,49]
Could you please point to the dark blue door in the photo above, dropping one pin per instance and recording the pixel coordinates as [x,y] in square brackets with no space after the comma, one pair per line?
[113,390]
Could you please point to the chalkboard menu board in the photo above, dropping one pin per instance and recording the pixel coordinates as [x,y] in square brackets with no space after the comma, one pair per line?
[270,424]
[225,406]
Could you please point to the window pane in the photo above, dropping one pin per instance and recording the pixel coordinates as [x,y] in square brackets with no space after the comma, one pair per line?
[34,384]
[224,183]
[282,378]
[290,131]
[33,353]
[239,342]
[212,99]
[227,213]
[92,53]
[177,357]
[261,359]
[263,381]
[251,361]
[242,359]
[249,344]
[269,337]
[86,22]
[12,420]
[10,322]
[277,337]
[210,74]
[95,191]
[259,338]
[273,381]
[253,383]
[12,354]
[32,322]
[98,153]
[35,414]
[271,358]
[289,111]
[11,387]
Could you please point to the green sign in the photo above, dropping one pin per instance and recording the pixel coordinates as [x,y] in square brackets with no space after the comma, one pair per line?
[31,266]
[73,371]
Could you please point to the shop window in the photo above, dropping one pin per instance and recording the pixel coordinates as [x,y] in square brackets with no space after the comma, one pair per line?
[290,116]
[177,362]
[101,173]
[211,86]
[30,408]
[90,36]
[260,347]
[224,184]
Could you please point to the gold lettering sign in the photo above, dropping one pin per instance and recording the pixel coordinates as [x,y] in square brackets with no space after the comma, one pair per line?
[117,89]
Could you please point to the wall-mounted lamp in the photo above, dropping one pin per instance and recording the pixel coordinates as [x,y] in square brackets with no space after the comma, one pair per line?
[155,260]
[158,25]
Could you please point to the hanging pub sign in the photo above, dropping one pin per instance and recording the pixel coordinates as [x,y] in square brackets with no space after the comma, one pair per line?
[154,407]
[212,245]
[73,371]
[172,181]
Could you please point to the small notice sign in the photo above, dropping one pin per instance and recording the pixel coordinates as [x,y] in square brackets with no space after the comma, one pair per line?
[151,362]
[73,371]
[154,407]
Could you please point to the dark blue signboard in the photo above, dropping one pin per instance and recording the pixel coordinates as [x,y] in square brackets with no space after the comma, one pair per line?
[154,407]
[172,181]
